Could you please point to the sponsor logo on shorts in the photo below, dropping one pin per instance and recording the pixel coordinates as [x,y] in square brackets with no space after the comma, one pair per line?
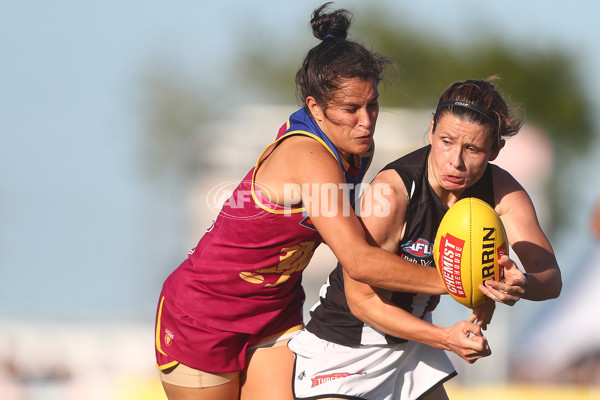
[418,248]
[321,379]
[168,337]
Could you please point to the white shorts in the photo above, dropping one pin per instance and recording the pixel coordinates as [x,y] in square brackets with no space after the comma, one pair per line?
[404,371]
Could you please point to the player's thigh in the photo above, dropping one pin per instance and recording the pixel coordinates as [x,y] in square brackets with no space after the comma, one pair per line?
[269,374]
[227,391]
[181,382]
[439,393]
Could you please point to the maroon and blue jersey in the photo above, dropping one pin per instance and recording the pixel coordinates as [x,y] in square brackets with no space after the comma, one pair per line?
[245,273]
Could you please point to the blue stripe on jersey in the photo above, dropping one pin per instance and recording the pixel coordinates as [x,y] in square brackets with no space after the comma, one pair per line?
[301,121]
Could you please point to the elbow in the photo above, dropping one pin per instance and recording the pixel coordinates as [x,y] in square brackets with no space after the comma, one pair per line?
[557,285]
[554,287]
[355,261]
[545,287]
[362,307]
[356,271]
[557,289]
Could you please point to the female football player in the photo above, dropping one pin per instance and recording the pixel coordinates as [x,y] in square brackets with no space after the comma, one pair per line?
[364,342]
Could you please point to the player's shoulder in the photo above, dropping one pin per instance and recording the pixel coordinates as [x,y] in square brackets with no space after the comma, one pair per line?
[504,180]
[388,183]
[509,194]
[389,176]
[300,145]
[306,161]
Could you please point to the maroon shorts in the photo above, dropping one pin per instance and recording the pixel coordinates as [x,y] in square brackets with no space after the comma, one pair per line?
[181,339]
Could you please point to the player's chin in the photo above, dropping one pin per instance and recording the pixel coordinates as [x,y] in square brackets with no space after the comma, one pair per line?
[362,145]
[456,188]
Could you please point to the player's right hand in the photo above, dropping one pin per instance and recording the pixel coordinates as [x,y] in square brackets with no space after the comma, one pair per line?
[467,341]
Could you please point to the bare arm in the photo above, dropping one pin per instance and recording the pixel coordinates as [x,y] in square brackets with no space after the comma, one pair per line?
[307,164]
[543,278]
[464,338]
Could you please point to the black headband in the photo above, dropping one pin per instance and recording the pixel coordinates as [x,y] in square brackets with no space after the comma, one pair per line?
[456,103]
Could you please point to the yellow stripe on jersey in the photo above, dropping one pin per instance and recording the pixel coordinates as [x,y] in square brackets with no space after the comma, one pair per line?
[260,159]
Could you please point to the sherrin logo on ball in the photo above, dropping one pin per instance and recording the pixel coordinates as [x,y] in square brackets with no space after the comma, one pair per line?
[468,244]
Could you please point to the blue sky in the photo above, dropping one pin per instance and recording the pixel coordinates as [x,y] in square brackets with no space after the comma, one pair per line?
[71,197]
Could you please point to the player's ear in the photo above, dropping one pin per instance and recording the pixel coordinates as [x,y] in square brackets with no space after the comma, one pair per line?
[496,151]
[430,135]
[315,109]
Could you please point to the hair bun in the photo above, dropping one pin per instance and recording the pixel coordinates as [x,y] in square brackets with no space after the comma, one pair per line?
[330,25]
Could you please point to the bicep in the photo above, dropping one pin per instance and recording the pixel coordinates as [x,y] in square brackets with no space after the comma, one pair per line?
[380,221]
[325,196]
[383,210]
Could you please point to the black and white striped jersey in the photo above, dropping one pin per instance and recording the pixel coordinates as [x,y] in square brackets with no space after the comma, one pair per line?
[331,318]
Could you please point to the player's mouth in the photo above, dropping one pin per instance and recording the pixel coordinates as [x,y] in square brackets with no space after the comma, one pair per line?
[457,180]
[366,138]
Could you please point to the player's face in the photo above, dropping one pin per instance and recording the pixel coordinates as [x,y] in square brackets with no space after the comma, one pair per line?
[460,151]
[350,118]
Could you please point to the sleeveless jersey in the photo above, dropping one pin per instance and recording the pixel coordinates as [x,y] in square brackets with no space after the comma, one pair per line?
[331,318]
[245,272]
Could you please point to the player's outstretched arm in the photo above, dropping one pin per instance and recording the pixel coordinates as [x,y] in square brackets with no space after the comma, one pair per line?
[541,279]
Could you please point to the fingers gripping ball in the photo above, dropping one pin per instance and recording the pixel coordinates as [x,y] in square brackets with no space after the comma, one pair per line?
[468,244]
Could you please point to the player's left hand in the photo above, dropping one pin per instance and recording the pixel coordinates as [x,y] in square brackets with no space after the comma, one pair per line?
[482,314]
[512,289]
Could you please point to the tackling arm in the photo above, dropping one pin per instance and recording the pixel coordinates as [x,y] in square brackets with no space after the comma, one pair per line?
[308,165]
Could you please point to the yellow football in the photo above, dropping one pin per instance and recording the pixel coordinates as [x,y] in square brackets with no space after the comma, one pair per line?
[468,244]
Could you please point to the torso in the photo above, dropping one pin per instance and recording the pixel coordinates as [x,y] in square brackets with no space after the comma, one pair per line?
[246,270]
[332,319]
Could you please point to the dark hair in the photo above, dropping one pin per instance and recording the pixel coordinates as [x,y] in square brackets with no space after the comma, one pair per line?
[480,102]
[334,59]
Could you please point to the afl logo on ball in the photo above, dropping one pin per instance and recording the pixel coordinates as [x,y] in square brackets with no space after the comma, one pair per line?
[418,248]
